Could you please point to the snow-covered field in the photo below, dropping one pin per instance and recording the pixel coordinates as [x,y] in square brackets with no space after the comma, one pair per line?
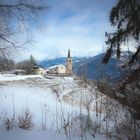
[56,105]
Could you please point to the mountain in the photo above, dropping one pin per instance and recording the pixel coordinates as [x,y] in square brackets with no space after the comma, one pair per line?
[61,60]
[92,68]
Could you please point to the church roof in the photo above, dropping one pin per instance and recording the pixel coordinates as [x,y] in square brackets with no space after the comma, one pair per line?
[56,66]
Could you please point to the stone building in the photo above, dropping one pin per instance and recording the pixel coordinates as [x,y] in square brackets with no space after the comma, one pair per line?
[57,69]
[62,69]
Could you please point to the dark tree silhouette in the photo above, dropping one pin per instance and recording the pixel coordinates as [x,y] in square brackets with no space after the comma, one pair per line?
[125,16]
[13,13]
[27,65]
[32,60]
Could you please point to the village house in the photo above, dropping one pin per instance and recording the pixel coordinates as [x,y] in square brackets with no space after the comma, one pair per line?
[39,71]
[19,72]
[15,71]
[57,69]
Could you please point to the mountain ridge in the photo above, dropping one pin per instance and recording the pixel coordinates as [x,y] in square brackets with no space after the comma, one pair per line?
[92,67]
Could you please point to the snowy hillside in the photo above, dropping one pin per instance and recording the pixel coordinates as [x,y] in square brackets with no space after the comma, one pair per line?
[62,105]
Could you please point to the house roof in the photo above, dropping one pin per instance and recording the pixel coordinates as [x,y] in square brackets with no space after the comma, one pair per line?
[56,66]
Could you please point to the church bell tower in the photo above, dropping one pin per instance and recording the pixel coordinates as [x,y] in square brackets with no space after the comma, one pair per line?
[69,63]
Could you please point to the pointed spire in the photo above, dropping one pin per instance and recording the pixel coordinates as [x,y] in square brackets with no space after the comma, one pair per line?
[69,53]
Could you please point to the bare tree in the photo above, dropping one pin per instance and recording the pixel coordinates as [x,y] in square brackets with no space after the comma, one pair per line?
[6,64]
[12,15]
[27,65]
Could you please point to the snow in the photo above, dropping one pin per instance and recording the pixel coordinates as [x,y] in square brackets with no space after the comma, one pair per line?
[11,77]
[43,135]
[52,101]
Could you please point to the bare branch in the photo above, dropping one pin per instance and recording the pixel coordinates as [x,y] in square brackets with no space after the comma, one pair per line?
[19,12]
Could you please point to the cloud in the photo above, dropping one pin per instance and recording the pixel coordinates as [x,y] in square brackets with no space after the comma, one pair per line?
[71,24]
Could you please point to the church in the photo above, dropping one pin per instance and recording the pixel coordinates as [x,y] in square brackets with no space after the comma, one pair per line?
[62,69]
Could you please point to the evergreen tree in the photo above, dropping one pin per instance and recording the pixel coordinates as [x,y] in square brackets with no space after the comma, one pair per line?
[27,65]
[125,16]
[32,60]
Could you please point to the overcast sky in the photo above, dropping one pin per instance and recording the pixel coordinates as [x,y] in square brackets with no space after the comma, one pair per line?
[78,25]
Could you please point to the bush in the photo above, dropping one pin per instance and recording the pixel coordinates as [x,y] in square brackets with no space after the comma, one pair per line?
[25,120]
[9,123]
[106,89]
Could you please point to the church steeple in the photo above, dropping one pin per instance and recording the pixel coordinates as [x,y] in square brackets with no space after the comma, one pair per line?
[69,63]
[69,53]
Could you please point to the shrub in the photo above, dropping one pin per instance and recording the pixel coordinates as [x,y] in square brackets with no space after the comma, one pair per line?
[9,123]
[25,120]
